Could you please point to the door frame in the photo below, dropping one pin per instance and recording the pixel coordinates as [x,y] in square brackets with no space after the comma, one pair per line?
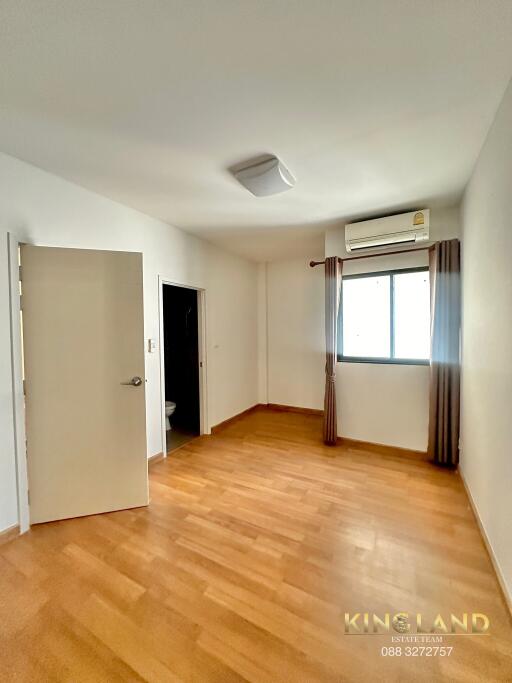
[18,394]
[204,427]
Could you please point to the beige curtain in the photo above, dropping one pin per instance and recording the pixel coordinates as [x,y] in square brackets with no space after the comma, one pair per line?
[444,410]
[332,300]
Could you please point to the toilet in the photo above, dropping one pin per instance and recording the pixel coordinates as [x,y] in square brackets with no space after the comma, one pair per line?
[170,407]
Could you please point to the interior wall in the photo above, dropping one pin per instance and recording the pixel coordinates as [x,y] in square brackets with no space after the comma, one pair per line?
[295,314]
[486,425]
[386,404]
[43,209]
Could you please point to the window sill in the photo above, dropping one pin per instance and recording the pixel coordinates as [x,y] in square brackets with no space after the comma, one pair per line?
[383,361]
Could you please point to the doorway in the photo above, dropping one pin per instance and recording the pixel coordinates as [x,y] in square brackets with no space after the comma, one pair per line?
[182,364]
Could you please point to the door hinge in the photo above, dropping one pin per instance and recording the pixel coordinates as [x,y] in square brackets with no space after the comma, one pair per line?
[19,276]
[24,387]
[28,496]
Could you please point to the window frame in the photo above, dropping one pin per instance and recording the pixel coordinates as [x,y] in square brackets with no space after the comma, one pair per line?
[371,359]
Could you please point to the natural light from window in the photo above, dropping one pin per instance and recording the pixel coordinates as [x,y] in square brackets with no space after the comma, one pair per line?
[366,330]
[412,315]
[386,316]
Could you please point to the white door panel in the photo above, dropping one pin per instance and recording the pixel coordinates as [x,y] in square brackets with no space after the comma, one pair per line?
[83,330]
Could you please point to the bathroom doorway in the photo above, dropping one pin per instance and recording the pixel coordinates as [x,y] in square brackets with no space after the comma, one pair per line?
[181,343]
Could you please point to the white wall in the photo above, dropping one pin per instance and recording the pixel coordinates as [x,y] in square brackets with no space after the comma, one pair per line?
[386,404]
[46,210]
[486,429]
[379,403]
[296,356]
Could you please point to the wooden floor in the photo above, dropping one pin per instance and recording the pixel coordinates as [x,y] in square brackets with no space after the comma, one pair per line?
[255,544]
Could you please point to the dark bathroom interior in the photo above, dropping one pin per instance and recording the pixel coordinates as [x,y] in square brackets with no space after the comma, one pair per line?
[181,357]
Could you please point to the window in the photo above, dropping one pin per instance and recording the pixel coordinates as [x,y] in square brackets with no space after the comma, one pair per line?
[385,317]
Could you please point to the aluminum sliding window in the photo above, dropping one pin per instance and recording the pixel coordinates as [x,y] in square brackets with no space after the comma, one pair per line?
[385,317]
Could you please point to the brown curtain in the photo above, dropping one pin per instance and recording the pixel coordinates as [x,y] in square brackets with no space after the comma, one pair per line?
[444,411]
[332,300]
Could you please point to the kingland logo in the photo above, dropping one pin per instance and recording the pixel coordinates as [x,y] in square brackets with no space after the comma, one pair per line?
[404,623]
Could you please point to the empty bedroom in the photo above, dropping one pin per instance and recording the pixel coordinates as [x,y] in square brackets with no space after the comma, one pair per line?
[256,321]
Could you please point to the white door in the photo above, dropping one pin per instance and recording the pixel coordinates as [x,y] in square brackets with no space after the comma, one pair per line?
[83,342]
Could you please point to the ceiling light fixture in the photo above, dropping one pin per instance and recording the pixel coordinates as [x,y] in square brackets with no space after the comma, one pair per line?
[265,177]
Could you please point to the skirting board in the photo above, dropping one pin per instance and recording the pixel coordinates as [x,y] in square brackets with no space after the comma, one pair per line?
[10,533]
[155,458]
[488,546]
[294,409]
[382,449]
[219,427]
[265,406]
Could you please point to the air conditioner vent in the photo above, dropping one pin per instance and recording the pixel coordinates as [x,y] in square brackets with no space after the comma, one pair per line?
[405,228]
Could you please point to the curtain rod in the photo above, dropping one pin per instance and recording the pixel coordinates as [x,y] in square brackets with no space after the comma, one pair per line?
[384,253]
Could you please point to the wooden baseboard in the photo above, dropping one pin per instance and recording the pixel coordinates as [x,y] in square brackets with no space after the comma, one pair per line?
[222,425]
[155,458]
[294,409]
[265,406]
[382,449]
[501,581]
[10,533]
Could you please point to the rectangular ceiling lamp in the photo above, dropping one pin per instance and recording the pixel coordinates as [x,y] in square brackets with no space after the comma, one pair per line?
[265,177]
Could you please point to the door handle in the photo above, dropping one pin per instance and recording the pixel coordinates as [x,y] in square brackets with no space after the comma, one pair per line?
[134,382]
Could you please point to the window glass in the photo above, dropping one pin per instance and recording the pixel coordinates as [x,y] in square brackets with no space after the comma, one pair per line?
[412,315]
[366,311]
[386,316]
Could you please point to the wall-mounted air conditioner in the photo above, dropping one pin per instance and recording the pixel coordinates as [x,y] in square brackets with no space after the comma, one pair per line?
[406,228]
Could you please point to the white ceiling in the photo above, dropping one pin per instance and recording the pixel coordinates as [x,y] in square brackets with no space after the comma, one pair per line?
[374,105]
